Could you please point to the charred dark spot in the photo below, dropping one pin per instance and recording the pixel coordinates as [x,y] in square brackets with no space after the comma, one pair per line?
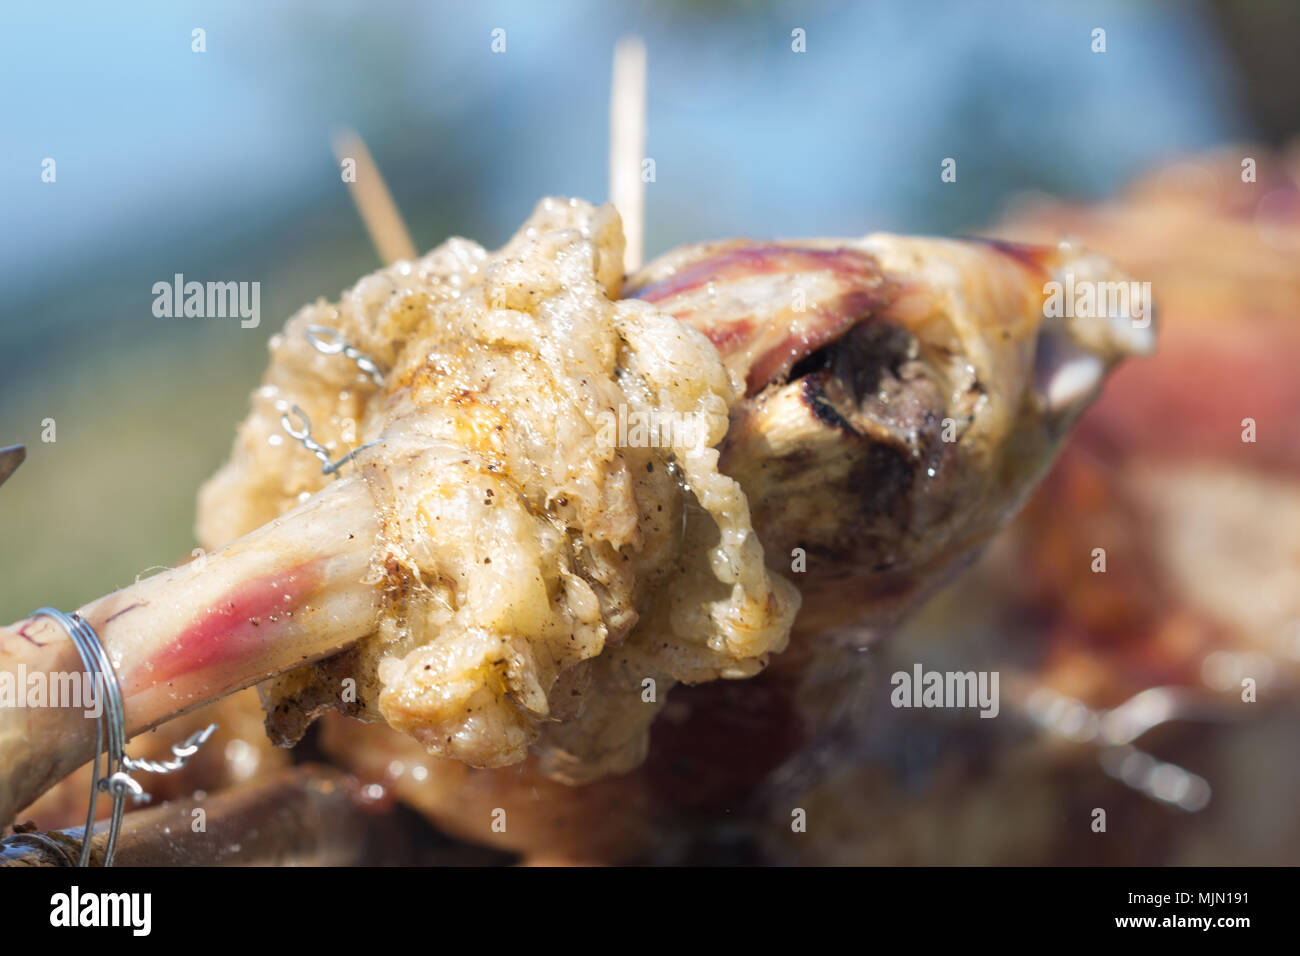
[883,479]
[872,382]
[863,359]
[872,388]
[814,396]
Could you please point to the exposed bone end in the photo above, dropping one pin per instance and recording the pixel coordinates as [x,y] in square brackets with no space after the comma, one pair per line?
[524,538]
[901,446]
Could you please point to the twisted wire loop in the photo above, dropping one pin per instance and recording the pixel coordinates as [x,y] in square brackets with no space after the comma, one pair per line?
[182,751]
[327,341]
[116,780]
[302,434]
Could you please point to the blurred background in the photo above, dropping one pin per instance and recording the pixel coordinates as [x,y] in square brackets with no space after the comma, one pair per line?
[217,165]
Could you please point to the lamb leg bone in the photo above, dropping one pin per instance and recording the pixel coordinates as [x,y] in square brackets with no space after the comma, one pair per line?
[290,592]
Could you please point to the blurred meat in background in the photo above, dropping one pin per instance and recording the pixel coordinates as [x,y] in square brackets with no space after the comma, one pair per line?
[1187,474]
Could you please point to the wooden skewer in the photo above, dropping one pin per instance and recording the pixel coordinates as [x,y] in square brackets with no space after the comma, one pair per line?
[375,203]
[627,118]
[627,131]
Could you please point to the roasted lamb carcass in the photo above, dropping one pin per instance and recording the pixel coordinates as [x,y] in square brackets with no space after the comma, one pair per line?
[503,572]
[852,372]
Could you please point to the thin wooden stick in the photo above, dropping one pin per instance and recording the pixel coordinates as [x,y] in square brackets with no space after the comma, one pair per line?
[375,203]
[627,126]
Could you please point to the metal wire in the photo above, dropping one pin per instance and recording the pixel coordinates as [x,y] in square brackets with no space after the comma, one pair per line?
[327,341]
[302,433]
[182,752]
[116,779]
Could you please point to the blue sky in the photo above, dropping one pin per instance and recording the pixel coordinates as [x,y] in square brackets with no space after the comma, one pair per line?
[154,142]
